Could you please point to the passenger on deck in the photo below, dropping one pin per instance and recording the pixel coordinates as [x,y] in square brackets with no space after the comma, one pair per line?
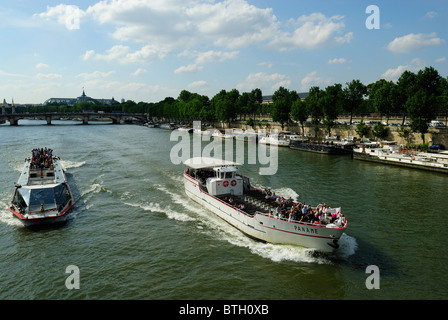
[341,220]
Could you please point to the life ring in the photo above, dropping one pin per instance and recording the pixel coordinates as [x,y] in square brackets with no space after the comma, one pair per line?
[233,183]
[225,184]
[413,158]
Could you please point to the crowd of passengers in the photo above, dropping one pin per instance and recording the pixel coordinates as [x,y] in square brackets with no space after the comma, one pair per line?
[286,209]
[42,159]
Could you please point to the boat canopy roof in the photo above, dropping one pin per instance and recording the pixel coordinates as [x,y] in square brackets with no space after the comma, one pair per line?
[208,162]
[226,169]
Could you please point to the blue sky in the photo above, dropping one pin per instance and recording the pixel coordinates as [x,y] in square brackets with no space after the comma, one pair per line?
[146,50]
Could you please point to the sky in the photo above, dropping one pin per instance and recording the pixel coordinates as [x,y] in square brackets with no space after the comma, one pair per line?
[147,50]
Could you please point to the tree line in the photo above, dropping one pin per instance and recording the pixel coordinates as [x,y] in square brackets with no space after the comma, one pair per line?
[417,96]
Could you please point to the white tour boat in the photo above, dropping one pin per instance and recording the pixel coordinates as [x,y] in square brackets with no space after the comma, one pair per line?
[215,184]
[279,140]
[42,194]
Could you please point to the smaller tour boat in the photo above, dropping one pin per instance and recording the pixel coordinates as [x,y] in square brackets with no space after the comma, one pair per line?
[216,185]
[42,194]
[280,140]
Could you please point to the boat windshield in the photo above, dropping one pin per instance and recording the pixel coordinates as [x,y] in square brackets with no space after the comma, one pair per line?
[35,199]
[43,197]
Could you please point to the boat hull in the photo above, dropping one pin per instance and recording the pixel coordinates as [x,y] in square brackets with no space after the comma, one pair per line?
[320,148]
[266,227]
[41,220]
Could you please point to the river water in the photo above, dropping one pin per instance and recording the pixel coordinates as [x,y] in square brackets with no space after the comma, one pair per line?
[134,234]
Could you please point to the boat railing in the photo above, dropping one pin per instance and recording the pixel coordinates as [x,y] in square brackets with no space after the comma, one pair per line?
[309,224]
[38,174]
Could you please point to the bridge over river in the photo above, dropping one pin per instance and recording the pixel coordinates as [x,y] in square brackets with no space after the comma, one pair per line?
[85,117]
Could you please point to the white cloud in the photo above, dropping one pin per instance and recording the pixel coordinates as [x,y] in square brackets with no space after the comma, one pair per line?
[183,24]
[49,76]
[337,61]
[95,75]
[204,57]
[42,66]
[312,80]
[393,74]
[68,15]
[443,59]
[123,55]
[266,64]
[313,31]
[264,81]
[414,42]
[198,84]
[138,72]
[430,14]
[191,68]
[212,56]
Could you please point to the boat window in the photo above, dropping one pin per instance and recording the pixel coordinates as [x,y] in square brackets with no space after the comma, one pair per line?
[61,195]
[229,175]
[18,201]
[43,197]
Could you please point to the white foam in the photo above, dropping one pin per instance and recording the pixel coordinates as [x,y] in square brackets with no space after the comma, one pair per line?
[347,246]
[94,188]
[6,216]
[155,207]
[67,164]
[182,200]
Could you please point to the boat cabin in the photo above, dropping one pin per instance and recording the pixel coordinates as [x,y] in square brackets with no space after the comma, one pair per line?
[225,181]
[219,177]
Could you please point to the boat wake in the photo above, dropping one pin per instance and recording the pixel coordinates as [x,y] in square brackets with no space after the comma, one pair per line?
[347,247]
[6,217]
[66,164]
[156,208]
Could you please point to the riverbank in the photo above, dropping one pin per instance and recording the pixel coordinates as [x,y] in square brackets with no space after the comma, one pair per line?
[434,136]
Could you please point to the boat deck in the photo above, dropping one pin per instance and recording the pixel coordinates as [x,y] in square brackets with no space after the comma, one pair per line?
[31,176]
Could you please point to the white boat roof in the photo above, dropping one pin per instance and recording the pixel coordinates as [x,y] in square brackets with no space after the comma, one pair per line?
[208,162]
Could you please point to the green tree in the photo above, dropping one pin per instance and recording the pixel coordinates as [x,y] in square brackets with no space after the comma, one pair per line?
[299,112]
[353,96]
[405,89]
[381,94]
[314,107]
[444,97]
[255,100]
[423,104]
[281,107]
[405,134]
[224,105]
[330,103]
[362,129]
[380,131]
